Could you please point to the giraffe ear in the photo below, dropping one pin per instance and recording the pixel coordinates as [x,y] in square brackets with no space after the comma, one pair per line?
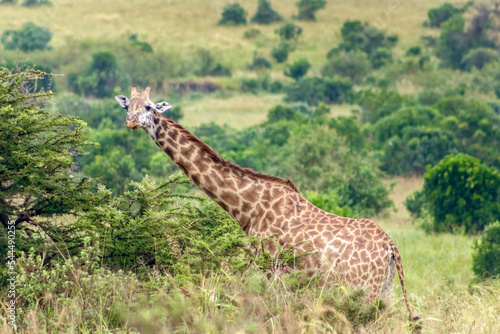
[122,100]
[161,107]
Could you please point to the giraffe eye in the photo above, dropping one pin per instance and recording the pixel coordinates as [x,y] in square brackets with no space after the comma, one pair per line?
[148,108]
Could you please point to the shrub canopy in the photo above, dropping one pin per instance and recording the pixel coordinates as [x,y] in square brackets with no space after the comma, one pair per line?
[308,8]
[29,38]
[233,15]
[38,178]
[314,90]
[486,254]
[265,13]
[441,14]
[460,194]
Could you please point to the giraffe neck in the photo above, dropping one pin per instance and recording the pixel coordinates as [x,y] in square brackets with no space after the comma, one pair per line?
[243,193]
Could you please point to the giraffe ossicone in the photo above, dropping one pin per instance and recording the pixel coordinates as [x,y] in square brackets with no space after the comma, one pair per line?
[354,252]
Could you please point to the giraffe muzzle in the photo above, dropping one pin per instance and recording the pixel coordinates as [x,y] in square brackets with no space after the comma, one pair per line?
[132,125]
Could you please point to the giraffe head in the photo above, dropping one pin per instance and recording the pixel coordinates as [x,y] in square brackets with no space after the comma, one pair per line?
[140,108]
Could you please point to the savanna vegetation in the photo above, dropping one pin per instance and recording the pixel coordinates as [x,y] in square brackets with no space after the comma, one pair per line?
[378,110]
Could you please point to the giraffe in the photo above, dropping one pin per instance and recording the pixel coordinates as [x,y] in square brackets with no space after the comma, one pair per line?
[354,252]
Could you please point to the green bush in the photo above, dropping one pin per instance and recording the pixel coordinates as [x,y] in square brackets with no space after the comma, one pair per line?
[381,57]
[103,62]
[308,8]
[259,84]
[298,69]
[354,65]
[351,129]
[438,16]
[278,132]
[358,36]
[454,43]
[33,3]
[251,33]
[280,53]
[276,87]
[259,63]
[329,202]
[423,61]
[394,124]
[429,97]
[37,167]
[479,57]
[122,155]
[174,113]
[378,104]
[414,51]
[29,38]
[289,31]
[143,46]
[475,125]
[411,137]
[233,15]
[279,113]
[220,138]
[265,13]
[496,89]
[206,65]
[181,233]
[99,79]
[44,83]
[79,280]
[144,68]
[416,148]
[115,169]
[429,41]
[92,112]
[460,193]
[486,254]
[314,90]
[364,37]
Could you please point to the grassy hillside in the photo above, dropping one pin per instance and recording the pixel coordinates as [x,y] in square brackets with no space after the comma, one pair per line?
[190,24]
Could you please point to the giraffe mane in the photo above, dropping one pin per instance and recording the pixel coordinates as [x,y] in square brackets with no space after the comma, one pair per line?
[216,158]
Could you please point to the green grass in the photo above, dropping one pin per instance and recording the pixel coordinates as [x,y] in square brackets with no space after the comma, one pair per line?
[238,111]
[431,262]
[438,273]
